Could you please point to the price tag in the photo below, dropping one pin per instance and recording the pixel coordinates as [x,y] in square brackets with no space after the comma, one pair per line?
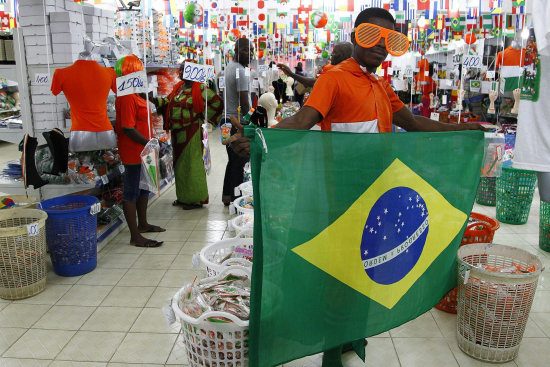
[416,70]
[197,73]
[237,74]
[106,62]
[390,71]
[490,74]
[32,229]
[499,152]
[427,73]
[121,168]
[255,84]
[381,72]
[131,83]
[472,61]
[105,179]
[263,68]
[95,208]
[41,79]
[247,72]
[221,82]
[444,99]
[434,116]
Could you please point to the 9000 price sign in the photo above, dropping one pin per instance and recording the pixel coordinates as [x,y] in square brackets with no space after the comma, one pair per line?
[198,73]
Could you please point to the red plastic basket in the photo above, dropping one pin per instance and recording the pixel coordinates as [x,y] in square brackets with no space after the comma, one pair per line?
[481,229]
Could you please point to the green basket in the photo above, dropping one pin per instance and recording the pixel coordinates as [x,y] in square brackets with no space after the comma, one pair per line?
[515,189]
[486,191]
[544,226]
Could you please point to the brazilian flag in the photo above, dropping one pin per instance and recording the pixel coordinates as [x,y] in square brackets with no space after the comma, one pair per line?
[354,234]
[495,32]
[457,23]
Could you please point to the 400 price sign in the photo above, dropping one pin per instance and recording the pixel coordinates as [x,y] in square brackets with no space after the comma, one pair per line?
[198,73]
[131,83]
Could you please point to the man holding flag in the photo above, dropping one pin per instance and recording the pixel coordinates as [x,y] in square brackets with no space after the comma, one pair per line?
[306,253]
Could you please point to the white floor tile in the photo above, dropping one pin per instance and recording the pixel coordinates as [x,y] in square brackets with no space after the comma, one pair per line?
[21,315]
[101,277]
[128,296]
[422,352]
[145,348]
[151,320]
[49,296]
[533,353]
[379,352]
[423,326]
[92,346]
[65,317]
[77,364]
[142,277]
[112,319]
[39,344]
[8,336]
[22,362]
[85,295]
[146,261]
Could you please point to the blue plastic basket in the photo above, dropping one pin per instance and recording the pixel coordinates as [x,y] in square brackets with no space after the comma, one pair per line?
[71,233]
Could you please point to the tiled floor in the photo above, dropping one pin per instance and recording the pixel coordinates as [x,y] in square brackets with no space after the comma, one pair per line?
[112,316]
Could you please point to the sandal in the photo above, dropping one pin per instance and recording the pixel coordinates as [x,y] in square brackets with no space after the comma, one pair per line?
[191,206]
[176,203]
[153,229]
[148,243]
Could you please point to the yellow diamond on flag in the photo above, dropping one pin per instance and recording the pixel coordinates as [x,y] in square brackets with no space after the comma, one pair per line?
[383,243]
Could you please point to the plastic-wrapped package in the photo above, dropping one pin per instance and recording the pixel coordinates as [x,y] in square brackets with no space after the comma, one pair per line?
[494,155]
[149,178]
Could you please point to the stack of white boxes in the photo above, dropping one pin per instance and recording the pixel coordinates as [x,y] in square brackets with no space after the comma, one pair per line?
[53,32]
[100,23]
[67,36]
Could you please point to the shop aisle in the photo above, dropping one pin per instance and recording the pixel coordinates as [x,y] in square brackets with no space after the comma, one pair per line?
[112,316]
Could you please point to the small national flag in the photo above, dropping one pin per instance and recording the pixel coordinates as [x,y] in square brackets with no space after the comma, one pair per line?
[432,12]
[457,23]
[423,4]
[518,3]
[381,245]
[486,21]
[495,6]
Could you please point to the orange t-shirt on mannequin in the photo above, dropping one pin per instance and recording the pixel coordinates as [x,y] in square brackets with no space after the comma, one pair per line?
[86,85]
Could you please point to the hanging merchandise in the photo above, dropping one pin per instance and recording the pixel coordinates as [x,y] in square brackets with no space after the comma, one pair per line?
[510,62]
[30,172]
[86,85]
[59,148]
[234,35]
[193,13]
[530,83]
[318,19]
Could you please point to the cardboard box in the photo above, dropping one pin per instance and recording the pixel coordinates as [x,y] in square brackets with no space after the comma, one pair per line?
[92,27]
[38,49]
[90,19]
[44,99]
[66,16]
[65,58]
[35,30]
[67,48]
[30,10]
[72,6]
[35,40]
[67,38]
[106,13]
[33,20]
[102,21]
[66,27]
[37,2]
[88,10]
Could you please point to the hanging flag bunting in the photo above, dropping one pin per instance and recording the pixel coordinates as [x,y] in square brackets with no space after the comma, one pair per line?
[486,21]
[433,10]
[495,6]
[423,5]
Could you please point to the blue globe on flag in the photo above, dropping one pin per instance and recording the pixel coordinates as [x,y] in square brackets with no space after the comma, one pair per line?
[394,235]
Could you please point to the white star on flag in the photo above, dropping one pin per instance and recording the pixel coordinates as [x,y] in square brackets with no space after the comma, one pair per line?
[385,211]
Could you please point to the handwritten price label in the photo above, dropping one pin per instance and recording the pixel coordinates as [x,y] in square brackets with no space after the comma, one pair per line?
[263,68]
[95,209]
[41,79]
[32,229]
[472,61]
[131,83]
[434,116]
[197,73]
[490,74]
[221,82]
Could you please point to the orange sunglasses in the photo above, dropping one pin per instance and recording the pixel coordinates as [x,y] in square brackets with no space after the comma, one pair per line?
[368,35]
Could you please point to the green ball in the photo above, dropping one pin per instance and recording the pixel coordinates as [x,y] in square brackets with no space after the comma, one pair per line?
[118,66]
[324,55]
[193,13]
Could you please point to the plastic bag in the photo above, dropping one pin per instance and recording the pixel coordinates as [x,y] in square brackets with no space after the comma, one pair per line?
[149,178]
[206,149]
[494,154]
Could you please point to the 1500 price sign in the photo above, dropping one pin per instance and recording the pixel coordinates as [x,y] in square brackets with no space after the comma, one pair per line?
[131,83]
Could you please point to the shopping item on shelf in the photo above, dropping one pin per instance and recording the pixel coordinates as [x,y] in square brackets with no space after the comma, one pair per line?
[242,205]
[241,222]
[494,155]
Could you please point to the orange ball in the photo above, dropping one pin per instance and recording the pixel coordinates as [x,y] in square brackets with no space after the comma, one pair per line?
[470,38]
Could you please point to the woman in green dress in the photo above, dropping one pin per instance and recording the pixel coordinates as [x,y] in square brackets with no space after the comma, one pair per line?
[183,112]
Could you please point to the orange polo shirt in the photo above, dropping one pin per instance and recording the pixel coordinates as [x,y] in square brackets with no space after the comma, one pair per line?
[353,100]
[86,85]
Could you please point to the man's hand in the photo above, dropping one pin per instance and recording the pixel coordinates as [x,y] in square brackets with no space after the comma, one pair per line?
[472,126]
[239,143]
[285,69]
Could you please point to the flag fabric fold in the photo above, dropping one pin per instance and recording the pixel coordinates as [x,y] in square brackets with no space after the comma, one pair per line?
[347,246]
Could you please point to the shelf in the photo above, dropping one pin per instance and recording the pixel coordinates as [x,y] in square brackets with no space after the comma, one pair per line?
[8,71]
[11,135]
